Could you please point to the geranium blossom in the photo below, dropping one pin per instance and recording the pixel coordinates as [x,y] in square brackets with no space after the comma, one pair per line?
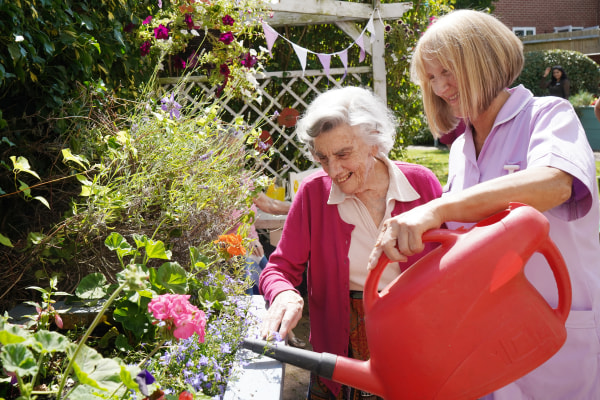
[232,244]
[181,318]
[161,32]
[226,37]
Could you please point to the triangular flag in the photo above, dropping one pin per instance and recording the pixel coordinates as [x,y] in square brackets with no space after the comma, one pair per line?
[301,52]
[270,34]
[325,61]
[344,57]
[371,28]
[360,42]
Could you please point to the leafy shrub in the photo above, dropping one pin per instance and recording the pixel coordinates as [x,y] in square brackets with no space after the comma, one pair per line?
[582,99]
[583,72]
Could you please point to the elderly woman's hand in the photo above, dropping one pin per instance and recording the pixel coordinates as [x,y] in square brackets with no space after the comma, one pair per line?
[401,236]
[283,315]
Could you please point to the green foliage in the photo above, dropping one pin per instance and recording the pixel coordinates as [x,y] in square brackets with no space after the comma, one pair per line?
[404,97]
[475,4]
[583,73]
[582,99]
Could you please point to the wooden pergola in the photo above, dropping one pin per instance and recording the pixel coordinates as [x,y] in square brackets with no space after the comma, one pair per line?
[345,15]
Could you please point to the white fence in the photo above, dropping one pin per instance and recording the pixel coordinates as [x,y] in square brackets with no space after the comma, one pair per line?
[279,90]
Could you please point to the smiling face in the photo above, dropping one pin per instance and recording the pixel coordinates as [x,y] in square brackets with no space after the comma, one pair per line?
[556,73]
[346,158]
[443,83]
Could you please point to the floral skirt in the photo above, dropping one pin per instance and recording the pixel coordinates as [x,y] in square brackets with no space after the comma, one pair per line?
[358,349]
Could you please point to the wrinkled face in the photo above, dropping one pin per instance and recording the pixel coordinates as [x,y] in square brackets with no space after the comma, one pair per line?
[346,158]
[443,84]
[557,73]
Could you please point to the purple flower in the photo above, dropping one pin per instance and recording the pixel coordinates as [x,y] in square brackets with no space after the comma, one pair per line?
[192,60]
[226,37]
[161,32]
[227,20]
[145,48]
[171,106]
[248,60]
[224,70]
[189,21]
[147,20]
[144,379]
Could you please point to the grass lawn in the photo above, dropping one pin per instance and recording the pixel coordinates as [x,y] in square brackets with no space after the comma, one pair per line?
[437,160]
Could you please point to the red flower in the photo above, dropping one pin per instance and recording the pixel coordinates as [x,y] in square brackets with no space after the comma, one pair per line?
[189,21]
[248,60]
[224,70]
[226,37]
[186,396]
[288,117]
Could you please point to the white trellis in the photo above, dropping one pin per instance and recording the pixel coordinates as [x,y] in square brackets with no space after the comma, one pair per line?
[297,88]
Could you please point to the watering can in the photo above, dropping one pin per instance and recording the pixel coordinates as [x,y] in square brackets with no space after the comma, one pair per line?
[461,322]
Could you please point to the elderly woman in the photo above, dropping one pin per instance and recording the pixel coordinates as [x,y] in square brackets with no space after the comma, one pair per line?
[465,63]
[333,223]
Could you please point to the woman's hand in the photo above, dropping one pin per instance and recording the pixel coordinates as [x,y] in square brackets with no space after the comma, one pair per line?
[401,236]
[547,71]
[283,314]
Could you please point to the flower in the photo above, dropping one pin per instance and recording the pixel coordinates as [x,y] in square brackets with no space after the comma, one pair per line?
[171,106]
[143,379]
[147,20]
[248,60]
[227,20]
[181,318]
[224,70]
[232,244]
[189,21]
[145,48]
[226,37]
[185,395]
[179,62]
[161,32]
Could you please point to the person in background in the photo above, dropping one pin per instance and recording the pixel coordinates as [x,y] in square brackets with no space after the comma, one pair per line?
[558,85]
[464,64]
[333,223]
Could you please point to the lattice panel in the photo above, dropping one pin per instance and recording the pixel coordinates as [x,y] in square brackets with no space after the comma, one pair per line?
[279,90]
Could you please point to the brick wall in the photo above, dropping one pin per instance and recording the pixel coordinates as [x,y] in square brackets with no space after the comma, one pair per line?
[544,15]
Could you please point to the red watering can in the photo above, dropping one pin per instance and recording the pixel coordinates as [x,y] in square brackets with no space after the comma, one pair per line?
[461,322]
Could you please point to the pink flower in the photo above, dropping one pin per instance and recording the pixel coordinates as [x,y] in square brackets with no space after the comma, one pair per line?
[147,20]
[179,316]
[227,20]
[226,37]
[161,32]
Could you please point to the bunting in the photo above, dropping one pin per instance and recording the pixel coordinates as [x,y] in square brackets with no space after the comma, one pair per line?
[271,35]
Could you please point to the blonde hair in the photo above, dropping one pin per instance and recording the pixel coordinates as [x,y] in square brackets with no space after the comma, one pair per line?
[353,106]
[482,53]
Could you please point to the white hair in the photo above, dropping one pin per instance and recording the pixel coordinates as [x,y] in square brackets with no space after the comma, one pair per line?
[353,106]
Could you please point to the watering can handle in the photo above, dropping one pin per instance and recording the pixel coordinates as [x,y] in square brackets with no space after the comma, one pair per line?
[561,275]
[372,283]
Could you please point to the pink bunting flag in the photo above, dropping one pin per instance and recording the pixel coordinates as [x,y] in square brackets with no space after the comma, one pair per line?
[360,42]
[271,35]
[371,29]
[301,52]
[325,62]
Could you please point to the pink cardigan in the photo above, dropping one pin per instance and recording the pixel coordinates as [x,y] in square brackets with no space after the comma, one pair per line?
[315,237]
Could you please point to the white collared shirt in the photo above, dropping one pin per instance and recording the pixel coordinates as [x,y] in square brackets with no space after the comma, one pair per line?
[364,235]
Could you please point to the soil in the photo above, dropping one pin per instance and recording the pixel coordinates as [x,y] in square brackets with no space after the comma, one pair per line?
[295,381]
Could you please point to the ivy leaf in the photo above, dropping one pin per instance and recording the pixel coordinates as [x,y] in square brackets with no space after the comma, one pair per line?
[69,156]
[16,357]
[21,164]
[5,241]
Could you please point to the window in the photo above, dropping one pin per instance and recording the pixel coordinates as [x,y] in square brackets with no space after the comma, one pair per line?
[567,28]
[524,30]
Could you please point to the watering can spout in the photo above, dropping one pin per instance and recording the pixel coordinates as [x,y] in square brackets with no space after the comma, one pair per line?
[346,371]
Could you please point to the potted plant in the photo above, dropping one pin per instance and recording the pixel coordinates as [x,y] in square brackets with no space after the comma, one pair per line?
[584,102]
